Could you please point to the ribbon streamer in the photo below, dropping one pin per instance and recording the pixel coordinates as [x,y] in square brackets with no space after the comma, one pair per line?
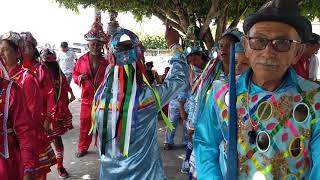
[232,161]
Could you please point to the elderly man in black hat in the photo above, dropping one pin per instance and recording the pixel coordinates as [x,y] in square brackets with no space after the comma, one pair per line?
[277,110]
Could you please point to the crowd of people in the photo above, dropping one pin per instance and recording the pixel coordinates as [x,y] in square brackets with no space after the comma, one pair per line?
[277,102]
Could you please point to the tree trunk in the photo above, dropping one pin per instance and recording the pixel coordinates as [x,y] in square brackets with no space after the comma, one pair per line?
[208,40]
[220,28]
[221,23]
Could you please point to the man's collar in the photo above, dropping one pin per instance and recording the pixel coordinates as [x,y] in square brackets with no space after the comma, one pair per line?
[290,80]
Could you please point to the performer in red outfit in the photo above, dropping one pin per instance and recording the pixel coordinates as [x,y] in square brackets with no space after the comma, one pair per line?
[62,117]
[88,73]
[58,120]
[18,152]
[12,43]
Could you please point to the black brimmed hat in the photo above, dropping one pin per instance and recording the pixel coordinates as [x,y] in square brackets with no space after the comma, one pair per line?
[285,11]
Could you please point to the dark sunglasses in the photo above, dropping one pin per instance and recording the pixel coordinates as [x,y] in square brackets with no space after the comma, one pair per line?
[279,45]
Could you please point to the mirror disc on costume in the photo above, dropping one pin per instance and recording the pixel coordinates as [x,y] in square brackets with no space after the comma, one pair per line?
[264,111]
[290,177]
[124,38]
[263,141]
[301,112]
[189,49]
[258,176]
[296,148]
[227,98]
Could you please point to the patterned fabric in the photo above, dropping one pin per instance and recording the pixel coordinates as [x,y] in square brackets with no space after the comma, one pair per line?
[202,88]
[121,57]
[47,158]
[284,123]
[95,36]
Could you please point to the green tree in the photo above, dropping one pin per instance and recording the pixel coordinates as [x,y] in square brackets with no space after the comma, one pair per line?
[191,17]
[153,42]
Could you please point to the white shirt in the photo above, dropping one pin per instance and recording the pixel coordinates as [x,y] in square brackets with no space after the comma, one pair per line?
[66,61]
[313,68]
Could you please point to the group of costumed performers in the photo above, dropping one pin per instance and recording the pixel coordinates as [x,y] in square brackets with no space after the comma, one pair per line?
[197,60]
[263,124]
[215,69]
[19,157]
[277,112]
[126,108]
[49,114]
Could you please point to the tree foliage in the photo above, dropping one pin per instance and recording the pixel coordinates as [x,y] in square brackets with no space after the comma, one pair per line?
[153,42]
[188,15]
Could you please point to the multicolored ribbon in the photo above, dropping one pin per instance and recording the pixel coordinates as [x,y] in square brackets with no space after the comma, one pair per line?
[105,113]
[130,111]
[115,86]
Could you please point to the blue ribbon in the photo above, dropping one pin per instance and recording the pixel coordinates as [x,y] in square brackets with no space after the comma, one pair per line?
[232,161]
[136,108]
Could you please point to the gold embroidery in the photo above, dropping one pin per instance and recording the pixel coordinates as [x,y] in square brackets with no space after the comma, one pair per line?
[280,165]
[243,167]
[305,132]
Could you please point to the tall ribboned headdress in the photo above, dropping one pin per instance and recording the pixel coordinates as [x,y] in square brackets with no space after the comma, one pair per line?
[125,77]
[96,32]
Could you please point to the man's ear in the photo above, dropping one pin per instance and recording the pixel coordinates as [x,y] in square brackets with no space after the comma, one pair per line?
[299,52]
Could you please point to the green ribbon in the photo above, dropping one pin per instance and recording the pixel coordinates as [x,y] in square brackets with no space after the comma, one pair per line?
[158,103]
[128,69]
[106,112]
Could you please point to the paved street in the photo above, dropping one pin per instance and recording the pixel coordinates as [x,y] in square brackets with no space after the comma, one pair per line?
[88,166]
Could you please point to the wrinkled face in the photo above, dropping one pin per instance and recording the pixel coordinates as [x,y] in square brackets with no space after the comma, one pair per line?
[95,47]
[269,64]
[196,60]
[28,50]
[242,63]
[8,54]
[224,48]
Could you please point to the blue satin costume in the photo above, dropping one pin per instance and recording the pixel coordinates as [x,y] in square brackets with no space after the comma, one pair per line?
[143,161]
[293,148]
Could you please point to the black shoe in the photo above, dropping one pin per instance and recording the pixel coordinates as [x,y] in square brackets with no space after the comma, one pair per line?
[168,147]
[81,154]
